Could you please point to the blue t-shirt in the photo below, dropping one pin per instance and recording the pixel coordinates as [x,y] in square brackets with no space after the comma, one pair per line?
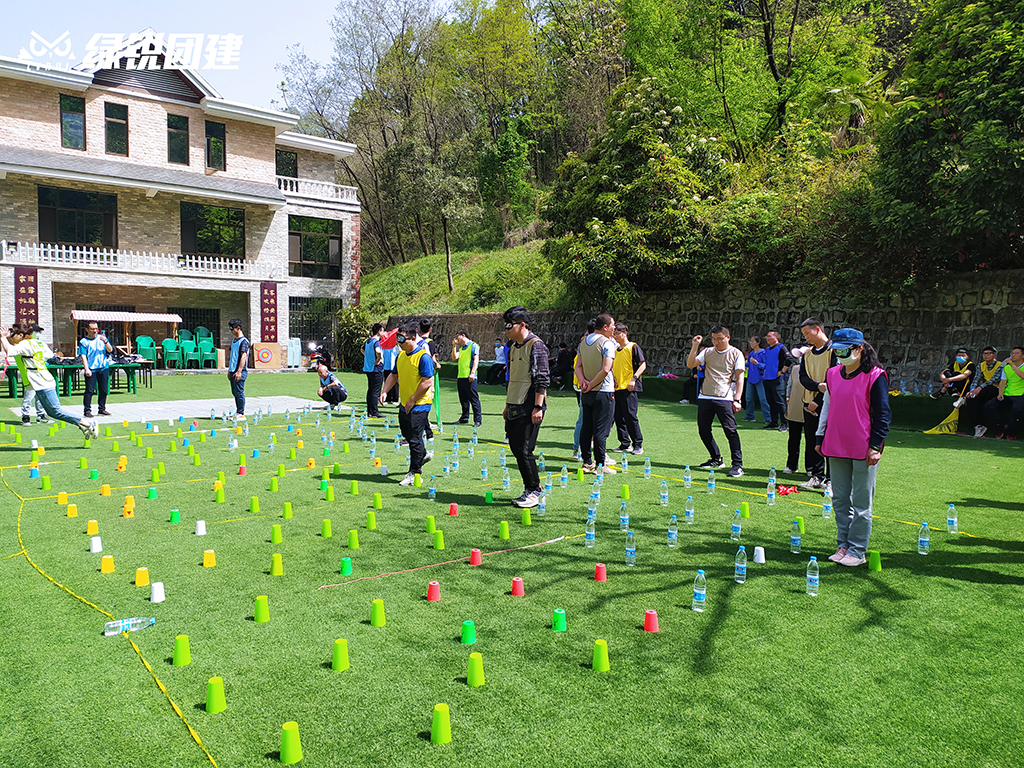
[95,352]
[238,348]
[370,364]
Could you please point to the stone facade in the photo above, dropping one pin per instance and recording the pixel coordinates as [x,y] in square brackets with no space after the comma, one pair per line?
[915,332]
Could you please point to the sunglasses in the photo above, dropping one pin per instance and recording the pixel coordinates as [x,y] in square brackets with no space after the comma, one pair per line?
[510,326]
[842,354]
[400,338]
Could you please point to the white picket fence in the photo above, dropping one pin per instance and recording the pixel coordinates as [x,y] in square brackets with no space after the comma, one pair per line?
[71,256]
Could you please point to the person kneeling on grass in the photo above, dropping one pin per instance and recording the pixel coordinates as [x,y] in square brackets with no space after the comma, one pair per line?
[331,390]
[414,372]
[851,431]
[28,352]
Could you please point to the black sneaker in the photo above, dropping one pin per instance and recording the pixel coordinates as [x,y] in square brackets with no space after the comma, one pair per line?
[26,420]
[87,415]
[770,426]
[42,420]
[736,472]
[620,449]
[711,464]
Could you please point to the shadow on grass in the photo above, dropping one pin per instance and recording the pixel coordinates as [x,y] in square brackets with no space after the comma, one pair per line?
[970,501]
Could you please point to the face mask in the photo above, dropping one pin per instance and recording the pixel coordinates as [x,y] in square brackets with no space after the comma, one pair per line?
[853,360]
[961,360]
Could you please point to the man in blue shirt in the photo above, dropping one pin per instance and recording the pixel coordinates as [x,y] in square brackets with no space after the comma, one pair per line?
[331,390]
[237,370]
[93,350]
[373,367]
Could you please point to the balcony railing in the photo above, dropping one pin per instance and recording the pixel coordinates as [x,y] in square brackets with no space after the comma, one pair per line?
[114,260]
[316,190]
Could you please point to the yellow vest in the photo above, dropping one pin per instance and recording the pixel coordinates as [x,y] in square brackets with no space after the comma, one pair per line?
[409,377]
[622,368]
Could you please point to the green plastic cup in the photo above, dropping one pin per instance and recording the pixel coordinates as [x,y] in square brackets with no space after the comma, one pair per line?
[346,566]
[438,540]
[441,727]
[325,529]
[503,530]
[215,701]
[353,539]
[262,613]
[468,632]
[291,746]
[600,662]
[339,660]
[182,652]
[558,620]
[275,533]
[377,613]
[874,560]
[475,674]
[431,525]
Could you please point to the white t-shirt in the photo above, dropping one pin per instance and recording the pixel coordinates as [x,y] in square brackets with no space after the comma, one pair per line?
[35,353]
[719,372]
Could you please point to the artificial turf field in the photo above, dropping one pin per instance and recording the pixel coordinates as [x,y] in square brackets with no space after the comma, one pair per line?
[917,665]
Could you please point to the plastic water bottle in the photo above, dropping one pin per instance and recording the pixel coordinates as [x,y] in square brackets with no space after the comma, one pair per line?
[812,577]
[688,511]
[599,475]
[923,539]
[687,477]
[740,574]
[483,469]
[270,445]
[625,464]
[373,450]
[470,451]
[246,430]
[664,493]
[547,483]
[596,490]
[700,592]
[623,517]
[475,439]
[213,415]
[232,444]
[794,536]
[563,479]
[647,468]
[826,504]
[455,463]
[127,625]
[590,530]
[952,526]
[542,506]
[501,457]
[770,494]
[771,475]
[711,481]
[506,481]
[432,488]
[540,462]
[673,531]
[737,526]
[447,468]
[592,504]
[630,549]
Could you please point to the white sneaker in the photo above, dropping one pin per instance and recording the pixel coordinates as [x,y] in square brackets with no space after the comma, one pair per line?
[576,455]
[609,470]
[527,500]
[827,486]
[428,457]
[811,484]
[684,402]
[787,471]
[960,401]
[409,479]
[980,430]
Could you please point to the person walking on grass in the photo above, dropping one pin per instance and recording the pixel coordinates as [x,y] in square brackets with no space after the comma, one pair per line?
[851,431]
[28,352]
[414,373]
[526,399]
[93,349]
[373,367]
[238,366]
[720,396]
[467,352]
[597,392]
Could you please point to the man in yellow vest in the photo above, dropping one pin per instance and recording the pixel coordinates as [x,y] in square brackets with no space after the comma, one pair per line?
[414,372]
[467,352]
[628,367]
[525,402]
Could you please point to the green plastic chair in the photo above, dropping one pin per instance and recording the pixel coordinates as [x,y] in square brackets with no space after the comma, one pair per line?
[189,353]
[207,354]
[146,347]
[203,334]
[184,335]
[171,353]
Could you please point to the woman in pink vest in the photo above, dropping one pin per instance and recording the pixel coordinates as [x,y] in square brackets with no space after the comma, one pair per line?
[854,422]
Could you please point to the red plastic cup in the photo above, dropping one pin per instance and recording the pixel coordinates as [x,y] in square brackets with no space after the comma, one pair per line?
[517,587]
[600,572]
[434,593]
[453,510]
[475,558]
[241,470]
[650,621]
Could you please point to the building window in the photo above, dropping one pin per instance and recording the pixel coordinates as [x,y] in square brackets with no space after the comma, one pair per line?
[314,247]
[72,217]
[117,128]
[208,230]
[313,319]
[215,146]
[72,122]
[287,164]
[177,139]
[194,317]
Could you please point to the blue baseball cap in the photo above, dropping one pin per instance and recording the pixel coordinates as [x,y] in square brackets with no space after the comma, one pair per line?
[845,338]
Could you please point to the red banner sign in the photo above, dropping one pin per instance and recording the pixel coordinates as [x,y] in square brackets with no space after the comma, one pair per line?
[268,312]
[26,295]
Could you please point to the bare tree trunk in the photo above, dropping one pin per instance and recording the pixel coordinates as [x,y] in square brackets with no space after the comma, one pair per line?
[447,254]
[419,232]
[401,245]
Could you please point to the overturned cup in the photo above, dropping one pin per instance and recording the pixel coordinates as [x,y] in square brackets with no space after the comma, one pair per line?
[758,554]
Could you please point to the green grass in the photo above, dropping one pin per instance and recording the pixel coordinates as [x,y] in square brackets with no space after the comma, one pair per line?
[484,282]
[918,665]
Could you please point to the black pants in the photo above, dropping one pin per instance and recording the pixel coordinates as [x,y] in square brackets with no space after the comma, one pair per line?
[816,466]
[627,424]
[334,395]
[496,374]
[100,379]
[469,396]
[976,405]
[374,381]
[796,433]
[707,410]
[598,416]
[522,439]
[776,404]
[1003,416]
[412,426]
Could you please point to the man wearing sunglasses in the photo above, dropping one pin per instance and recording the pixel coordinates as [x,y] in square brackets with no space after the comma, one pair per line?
[528,379]
[414,372]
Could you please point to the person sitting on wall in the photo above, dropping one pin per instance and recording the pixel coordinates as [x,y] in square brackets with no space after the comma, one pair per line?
[956,380]
[331,390]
